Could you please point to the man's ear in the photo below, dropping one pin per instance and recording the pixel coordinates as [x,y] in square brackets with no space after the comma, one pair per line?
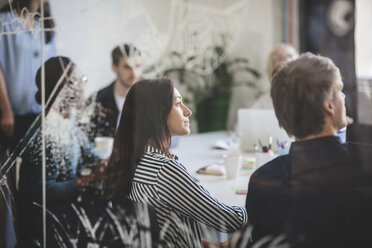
[114,68]
[328,106]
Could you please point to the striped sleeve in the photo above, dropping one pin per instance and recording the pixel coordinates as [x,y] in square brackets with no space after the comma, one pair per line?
[177,188]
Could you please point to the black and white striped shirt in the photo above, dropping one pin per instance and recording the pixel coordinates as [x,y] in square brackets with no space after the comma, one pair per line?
[181,203]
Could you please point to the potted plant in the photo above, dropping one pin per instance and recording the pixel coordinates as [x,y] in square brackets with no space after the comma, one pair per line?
[211,93]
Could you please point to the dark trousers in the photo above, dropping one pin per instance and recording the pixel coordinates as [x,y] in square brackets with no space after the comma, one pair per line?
[7,211]
[22,123]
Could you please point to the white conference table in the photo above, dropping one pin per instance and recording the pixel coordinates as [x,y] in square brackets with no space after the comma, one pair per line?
[196,150]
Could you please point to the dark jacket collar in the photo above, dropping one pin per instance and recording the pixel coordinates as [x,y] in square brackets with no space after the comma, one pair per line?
[315,144]
[106,97]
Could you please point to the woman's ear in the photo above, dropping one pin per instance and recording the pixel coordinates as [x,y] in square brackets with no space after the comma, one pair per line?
[328,106]
[114,68]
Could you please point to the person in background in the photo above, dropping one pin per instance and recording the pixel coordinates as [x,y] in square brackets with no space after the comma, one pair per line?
[109,101]
[143,168]
[73,169]
[280,55]
[320,194]
[19,60]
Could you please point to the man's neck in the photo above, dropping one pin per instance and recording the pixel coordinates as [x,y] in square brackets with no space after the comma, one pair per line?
[120,89]
[328,130]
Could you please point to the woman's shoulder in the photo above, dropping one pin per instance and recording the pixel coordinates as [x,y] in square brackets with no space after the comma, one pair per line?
[158,160]
[155,155]
[155,159]
[149,167]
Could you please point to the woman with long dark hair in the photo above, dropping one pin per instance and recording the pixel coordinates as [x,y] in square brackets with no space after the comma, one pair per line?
[142,167]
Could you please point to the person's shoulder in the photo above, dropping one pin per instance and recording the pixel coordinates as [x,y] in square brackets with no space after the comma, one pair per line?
[273,169]
[165,163]
[155,158]
[107,91]
[359,150]
[356,145]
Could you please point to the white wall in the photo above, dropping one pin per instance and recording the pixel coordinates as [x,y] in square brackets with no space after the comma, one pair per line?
[88,30]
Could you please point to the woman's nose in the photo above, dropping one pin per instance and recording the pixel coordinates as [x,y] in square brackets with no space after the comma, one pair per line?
[187,112]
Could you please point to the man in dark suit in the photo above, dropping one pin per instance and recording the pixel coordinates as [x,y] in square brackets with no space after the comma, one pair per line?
[319,195]
[108,102]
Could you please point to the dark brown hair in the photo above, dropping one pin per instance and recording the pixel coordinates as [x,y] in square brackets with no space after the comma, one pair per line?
[54,68]
[298,91]
[123,50]
[143,121]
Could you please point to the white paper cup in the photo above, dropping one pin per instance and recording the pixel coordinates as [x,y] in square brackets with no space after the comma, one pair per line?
[263,157]
[104,146]
[233,163]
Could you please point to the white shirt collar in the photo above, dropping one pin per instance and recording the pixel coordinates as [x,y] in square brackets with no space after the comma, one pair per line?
[119,100]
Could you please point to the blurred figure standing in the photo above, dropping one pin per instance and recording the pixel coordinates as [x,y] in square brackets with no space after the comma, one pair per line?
[20,57]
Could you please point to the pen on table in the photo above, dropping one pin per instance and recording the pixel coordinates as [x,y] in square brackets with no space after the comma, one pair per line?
[264,148]
[260,143]
[279,144]
[282,145]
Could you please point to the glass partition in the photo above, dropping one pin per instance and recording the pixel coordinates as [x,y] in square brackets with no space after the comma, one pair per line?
[56,57]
